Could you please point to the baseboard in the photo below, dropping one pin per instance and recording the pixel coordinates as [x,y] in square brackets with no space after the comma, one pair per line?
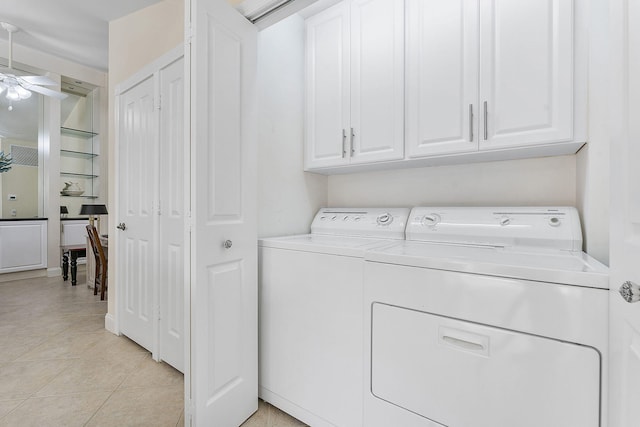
[110,324]
[19,275]
[54,272]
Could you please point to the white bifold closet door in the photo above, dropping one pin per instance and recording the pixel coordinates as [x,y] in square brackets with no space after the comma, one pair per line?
[151,209]
[222,379]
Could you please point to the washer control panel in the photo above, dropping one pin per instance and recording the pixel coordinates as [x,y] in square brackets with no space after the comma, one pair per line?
[545,227]
[365,222]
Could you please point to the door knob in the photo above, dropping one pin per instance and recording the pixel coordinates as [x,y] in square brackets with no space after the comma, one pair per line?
[630,291]
[122,226]
[227,244]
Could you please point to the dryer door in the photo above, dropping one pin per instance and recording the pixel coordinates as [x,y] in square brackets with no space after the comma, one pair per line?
[463,374]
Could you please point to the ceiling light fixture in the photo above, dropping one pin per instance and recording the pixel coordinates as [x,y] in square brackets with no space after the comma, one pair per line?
[15,92]
[17,86]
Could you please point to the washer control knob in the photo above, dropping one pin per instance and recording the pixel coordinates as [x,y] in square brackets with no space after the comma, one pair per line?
[384,219]
[505,220]
[554,221]
[431,219]
[333,218]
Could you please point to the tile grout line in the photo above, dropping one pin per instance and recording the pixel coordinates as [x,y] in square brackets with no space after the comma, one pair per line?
[17,406]
[112,393]
[100,407]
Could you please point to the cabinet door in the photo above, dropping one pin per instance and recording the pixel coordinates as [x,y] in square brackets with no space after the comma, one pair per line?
[442,76]
[327,61]
[526,72]
[377,80]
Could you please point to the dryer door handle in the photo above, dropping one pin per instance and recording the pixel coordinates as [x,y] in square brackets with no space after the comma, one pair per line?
[462,340]
[464,344]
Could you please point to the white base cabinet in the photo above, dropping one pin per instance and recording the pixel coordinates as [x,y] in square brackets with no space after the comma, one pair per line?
[23,245]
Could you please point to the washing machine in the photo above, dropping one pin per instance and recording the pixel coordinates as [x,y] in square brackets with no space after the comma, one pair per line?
[486,317]
[311,330]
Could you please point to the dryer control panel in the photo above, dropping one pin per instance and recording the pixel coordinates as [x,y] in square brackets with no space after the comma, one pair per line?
[543,227]
[388,223]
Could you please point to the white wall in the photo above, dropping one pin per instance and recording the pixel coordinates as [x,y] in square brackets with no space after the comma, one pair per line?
[136,40]
[22,181]
[287,197]
[593,160]
[544,181]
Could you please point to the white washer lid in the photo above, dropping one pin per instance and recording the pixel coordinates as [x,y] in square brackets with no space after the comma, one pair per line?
[541,227]
[326,244]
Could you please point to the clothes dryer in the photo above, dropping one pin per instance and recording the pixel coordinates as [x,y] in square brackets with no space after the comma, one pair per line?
[311,331]
[486,317]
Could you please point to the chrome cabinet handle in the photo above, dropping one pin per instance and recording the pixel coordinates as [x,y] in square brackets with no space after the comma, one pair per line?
[353,135]
[630,291]
[470,122]
[344,143]
[486,121]
[227,244]
[122,226]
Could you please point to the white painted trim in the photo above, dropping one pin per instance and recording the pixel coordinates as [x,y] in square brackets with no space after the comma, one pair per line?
[149,70]
[47,62]
[251,8]
[189,404]
[19,275]
[110,324]
[54,271]
[304,8]
[535,151]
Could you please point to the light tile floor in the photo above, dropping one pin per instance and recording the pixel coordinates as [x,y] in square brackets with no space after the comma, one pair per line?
[59,367]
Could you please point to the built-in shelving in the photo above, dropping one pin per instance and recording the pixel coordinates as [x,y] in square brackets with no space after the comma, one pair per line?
[83,196]
[77,175]
[79,148]
[78,133]
[79,154]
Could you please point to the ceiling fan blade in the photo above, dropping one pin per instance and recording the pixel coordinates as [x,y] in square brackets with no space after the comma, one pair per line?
[38,80]
[45,91]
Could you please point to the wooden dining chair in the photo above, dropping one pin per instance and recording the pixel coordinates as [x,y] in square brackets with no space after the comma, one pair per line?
[101,262]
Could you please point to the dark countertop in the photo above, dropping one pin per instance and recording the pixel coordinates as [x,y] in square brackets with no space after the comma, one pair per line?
[75,218]
[24,219]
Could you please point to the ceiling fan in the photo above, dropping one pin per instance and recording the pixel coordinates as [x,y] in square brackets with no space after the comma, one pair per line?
[19,87]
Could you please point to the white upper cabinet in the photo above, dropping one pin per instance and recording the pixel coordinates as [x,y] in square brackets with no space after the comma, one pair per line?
[485,80]
[487,75]
[377,80]
[328,87]
[355,83]
[526,72]
[442,77]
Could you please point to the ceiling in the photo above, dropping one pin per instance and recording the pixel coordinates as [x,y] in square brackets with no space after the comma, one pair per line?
[76,30]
